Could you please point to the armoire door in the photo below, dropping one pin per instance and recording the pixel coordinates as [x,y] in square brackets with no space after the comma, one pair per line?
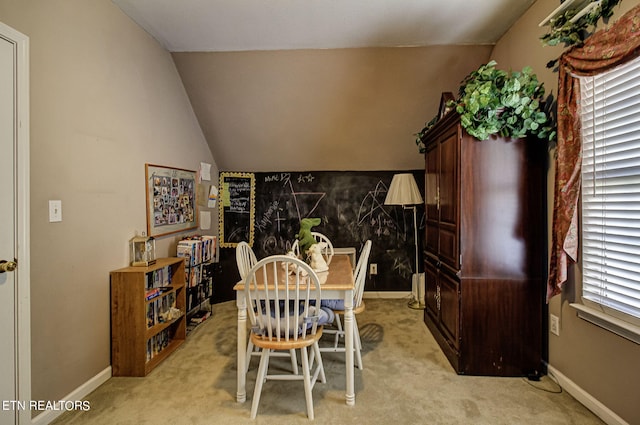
[449,198]
[432,290]
[432,208]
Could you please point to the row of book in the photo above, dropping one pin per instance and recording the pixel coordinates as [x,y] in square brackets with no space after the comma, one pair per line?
[197,295]
[196,249]
[159,278]
[194,276]
[158,310]
[157,343]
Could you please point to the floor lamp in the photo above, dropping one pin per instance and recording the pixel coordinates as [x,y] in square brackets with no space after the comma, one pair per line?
[404,191]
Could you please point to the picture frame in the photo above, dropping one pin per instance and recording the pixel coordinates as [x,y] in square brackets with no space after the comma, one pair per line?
[171,200]
[237,208]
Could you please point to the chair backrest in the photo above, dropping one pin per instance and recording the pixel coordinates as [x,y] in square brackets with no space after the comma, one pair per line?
[295,248]
[245,258]
[360,273]
[327,252]
[282,313]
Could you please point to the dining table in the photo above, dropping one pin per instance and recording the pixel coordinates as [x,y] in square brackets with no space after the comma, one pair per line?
[336,283]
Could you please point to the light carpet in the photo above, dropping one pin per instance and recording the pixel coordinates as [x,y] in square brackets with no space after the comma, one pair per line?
[406,380]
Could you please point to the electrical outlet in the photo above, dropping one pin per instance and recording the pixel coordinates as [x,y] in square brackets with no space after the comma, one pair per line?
[554,324]
[373,268]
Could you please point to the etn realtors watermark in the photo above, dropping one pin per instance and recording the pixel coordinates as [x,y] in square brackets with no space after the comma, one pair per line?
[57,405]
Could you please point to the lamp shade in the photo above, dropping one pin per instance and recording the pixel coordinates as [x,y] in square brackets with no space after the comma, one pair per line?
[403,191]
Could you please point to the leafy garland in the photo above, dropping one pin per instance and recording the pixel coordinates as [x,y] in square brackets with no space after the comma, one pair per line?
[562,31]
[575,33]
[509,104]
[425,130]
[496,102]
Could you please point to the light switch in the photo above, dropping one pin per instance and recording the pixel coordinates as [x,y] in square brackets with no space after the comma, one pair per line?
[55,211]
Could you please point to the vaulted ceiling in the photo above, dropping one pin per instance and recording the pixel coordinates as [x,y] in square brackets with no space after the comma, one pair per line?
[232,25]
[321,84]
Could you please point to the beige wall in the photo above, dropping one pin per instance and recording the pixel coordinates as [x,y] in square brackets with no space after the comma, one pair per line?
[105,100]
[333,109]
[602,364]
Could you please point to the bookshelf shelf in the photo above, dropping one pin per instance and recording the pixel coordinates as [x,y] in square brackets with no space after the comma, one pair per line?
[157,359]
[155,329]
[142,332]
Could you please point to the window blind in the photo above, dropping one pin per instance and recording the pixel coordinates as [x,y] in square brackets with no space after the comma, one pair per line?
[610,116]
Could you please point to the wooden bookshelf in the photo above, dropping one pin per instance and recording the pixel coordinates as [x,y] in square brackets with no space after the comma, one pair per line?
[140,337]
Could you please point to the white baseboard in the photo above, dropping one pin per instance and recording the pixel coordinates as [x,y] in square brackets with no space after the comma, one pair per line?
[386,294]
[590,402]
[79,393]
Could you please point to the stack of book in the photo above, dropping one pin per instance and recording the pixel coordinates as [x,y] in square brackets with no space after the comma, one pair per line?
[152,293]
[200,317]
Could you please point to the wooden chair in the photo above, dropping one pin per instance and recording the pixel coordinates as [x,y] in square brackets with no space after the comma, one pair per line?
[327,252]
[359,277]
[295,248]
[246,259]
[285,320]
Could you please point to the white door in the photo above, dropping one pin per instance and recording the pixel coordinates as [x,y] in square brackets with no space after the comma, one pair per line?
[14,283]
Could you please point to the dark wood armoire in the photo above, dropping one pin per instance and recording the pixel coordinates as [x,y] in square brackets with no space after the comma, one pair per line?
[485,254]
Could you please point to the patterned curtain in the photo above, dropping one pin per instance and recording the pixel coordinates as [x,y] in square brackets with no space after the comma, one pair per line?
[604,50]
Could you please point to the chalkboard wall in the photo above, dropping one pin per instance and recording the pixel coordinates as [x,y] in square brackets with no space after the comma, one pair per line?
[351,207]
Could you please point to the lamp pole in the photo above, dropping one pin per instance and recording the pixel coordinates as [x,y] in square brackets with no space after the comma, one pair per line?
[417,303]
[415,232]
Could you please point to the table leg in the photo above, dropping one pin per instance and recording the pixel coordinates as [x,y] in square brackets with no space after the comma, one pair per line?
[241,394]
[348,341]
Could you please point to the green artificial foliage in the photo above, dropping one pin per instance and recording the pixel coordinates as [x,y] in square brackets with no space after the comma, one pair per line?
[564,31]
[420,135]
[508,104]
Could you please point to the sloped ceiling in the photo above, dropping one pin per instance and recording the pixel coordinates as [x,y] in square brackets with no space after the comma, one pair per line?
[321,84]
[237,25]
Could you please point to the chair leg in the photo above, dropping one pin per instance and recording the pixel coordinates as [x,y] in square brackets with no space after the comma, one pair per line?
[357,343]
[312,358]
[307,382]
[260,378]
[316,350]
[294,361]
[249,351]
[339,332]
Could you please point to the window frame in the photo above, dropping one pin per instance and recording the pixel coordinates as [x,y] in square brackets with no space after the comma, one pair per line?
[621,323]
